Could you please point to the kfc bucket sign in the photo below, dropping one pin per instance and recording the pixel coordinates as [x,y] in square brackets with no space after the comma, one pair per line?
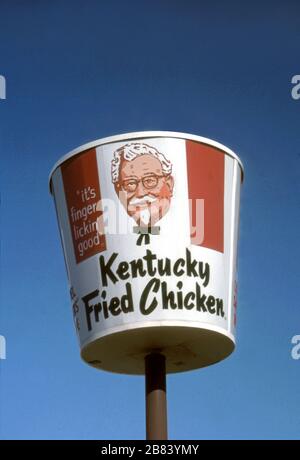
[149,226]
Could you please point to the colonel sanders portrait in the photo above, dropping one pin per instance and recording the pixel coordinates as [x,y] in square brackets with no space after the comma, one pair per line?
[142,177]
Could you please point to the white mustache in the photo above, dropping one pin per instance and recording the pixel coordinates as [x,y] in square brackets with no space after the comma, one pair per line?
[144,200]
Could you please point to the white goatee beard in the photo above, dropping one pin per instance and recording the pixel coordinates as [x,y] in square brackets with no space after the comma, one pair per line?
[145,216]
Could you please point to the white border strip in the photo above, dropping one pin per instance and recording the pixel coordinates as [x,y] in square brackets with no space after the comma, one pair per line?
[160,323]
[144,135]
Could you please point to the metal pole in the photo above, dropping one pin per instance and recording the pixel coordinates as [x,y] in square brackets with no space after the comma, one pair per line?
[156,400]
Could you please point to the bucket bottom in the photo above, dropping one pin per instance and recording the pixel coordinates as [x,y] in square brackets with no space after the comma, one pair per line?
[185,348]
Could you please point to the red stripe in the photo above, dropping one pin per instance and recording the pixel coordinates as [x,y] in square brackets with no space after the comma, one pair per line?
[205,167]
[82,191]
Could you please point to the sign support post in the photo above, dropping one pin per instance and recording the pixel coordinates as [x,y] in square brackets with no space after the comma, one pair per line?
[156,397]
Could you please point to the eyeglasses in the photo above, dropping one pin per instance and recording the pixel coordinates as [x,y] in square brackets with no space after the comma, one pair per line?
[149,182]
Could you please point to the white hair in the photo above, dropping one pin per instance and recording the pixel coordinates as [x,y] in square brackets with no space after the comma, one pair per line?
[131,151]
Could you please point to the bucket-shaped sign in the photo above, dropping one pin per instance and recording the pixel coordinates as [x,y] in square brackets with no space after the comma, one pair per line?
[149,226]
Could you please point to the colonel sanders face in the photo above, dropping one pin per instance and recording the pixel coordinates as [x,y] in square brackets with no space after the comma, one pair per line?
[144,189]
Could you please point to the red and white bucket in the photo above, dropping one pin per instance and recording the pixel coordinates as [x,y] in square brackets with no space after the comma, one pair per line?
[149,228]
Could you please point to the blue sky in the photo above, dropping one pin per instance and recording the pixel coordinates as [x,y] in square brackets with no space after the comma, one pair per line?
[77,71]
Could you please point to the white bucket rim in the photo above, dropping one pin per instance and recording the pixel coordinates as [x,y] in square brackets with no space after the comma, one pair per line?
[143,135]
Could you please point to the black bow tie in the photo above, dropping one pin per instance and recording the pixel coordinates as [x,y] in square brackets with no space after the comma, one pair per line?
[144,234]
